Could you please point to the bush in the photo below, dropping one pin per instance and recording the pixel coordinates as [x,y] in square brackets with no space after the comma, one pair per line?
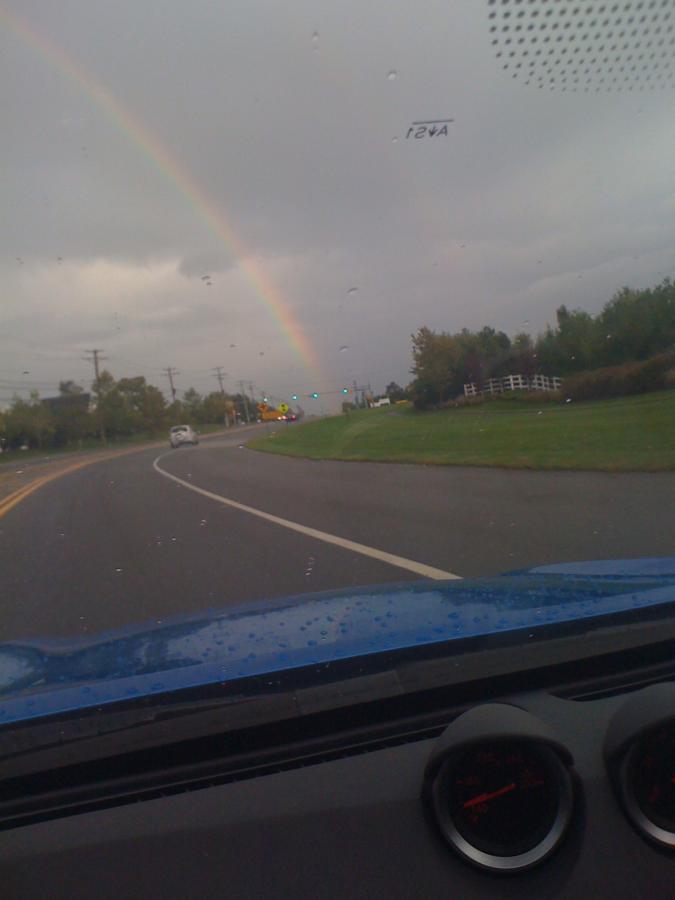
[619,381]
[463,400]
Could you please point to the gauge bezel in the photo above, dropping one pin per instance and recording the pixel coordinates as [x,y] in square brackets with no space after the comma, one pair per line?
[520,861]
[631,804]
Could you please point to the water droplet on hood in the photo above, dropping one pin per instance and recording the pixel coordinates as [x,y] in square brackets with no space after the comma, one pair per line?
[392,74]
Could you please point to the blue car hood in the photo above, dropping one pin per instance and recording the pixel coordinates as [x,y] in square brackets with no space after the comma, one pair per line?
[44,677]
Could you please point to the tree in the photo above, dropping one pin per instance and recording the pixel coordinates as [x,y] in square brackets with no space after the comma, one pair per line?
[395,392]
[192,401]
[29,422]
[213,408]
[635,325]
[153,410]
[443,363]
[71,414]
[436,367]
[114,411]
[70,389]
[523,356]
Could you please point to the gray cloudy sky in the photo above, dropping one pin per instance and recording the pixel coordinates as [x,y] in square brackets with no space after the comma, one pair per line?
[287,117]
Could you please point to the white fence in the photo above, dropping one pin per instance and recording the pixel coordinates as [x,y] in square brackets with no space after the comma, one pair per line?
[514,383]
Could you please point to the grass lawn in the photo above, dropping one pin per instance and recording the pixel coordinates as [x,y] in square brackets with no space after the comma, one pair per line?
[625,434]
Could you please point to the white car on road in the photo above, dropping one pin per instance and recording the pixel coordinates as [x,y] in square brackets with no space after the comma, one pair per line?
[182,434]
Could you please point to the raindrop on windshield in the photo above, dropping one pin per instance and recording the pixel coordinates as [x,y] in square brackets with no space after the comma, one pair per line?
[118,570]
[391,75]
[394,140]
[343,348]
[353,290]
[315,41]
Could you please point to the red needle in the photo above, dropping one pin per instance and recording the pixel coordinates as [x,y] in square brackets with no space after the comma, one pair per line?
[483,798]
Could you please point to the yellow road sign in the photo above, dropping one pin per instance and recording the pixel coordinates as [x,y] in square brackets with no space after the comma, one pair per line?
[283,407]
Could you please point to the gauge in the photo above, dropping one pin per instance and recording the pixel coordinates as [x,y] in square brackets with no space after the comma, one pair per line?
[505,804]
[647,784]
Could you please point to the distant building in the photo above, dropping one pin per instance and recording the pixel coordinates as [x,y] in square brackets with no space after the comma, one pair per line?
[68,402]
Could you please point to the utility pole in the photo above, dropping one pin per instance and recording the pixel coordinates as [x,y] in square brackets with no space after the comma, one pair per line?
[95,357]
[219,374]
[242,391]
[170,372]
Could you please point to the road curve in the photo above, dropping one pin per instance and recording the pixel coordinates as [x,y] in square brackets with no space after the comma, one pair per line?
[117,542]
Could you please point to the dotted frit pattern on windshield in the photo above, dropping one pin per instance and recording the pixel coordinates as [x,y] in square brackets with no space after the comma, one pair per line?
[585,45]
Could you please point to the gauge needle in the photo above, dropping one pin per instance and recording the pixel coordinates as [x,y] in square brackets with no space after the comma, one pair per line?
[483,798]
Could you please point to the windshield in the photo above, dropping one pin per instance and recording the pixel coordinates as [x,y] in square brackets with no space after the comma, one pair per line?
[403,270]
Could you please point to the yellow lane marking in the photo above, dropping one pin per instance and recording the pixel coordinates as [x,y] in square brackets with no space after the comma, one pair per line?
[13,499]
[391,559]
[21,493]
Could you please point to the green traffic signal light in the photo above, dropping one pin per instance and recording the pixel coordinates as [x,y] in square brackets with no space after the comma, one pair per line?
[294,397]
[314,395]
[345,390]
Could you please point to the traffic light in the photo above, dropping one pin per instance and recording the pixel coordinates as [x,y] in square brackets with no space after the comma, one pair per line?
[294,397]
[345,390]
[314,396]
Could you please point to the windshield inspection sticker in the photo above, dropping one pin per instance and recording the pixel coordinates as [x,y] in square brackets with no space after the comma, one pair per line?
[428,128]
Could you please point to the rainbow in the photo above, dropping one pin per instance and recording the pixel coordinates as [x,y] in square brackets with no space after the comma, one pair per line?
[181,180]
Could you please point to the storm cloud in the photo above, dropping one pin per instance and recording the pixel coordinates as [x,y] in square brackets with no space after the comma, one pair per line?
[294,120]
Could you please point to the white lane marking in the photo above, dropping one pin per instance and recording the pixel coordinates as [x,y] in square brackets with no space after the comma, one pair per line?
[391,558]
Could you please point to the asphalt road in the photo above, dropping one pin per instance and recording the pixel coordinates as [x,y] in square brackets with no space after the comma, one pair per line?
[119,542]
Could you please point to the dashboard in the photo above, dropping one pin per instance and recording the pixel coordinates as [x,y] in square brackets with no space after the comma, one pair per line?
[541,793]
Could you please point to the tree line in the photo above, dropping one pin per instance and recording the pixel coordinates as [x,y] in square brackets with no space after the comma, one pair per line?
[114,410]
[634,325]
